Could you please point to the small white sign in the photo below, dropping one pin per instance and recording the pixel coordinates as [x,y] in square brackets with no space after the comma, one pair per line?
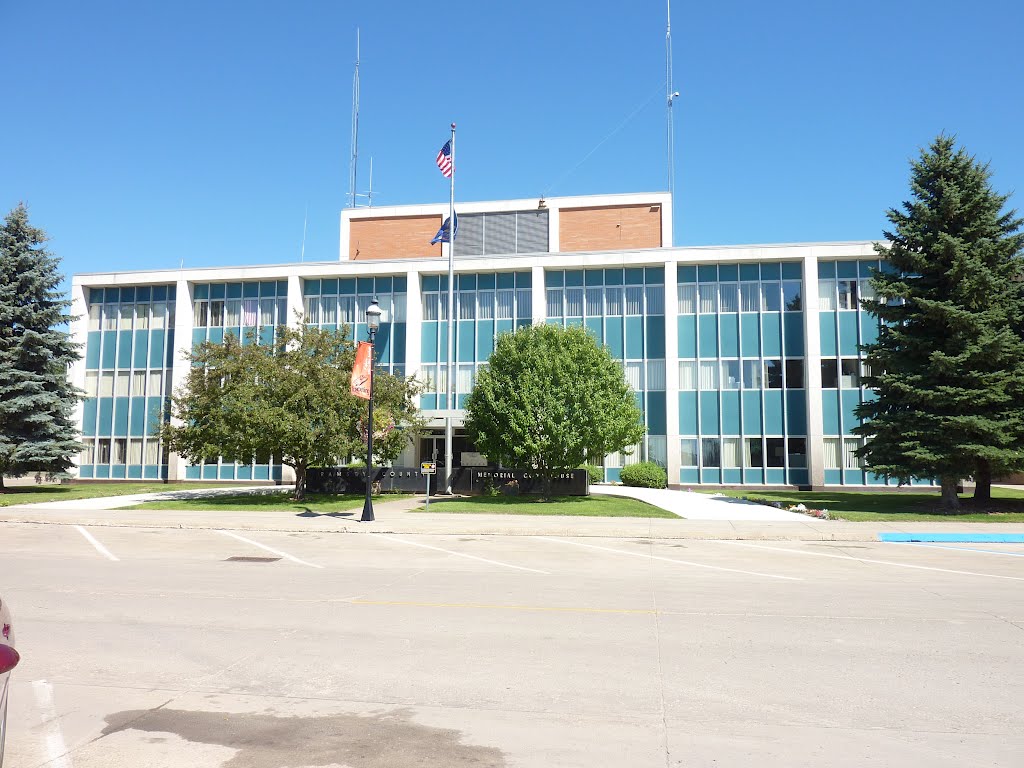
[428,468]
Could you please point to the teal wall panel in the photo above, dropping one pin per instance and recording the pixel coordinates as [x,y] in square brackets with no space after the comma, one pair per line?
[121,416]
[830,412]
[711,476]
[574,322]
[827,323]
[709,413]
[833,476]
[92,350]
[796,412]
[614,338]
[137,426]
[382,343]
[261,472]
[771,334]
[752,412]
[634,337]
[853,477]
[109,349]
[656,416]
[798,477]
[135,471]
[428,340]
[243,472]
[227,472]
[266,335]
[85,471]
[868,328]
[124,349]
[193,472]
[156,349]
[731,413]
[689,475]
[217,335]
[466,341]
[398,355]
[730,335]
[753,476]
[774,476]
[89,416]
[793,333]
[140,349]
[773,422]
[154,406]
[732,476]
[117,471]
[151,472]
[169,357]
[613,474]
[655,335]
[484,339]
[750,336]
[707,335]
[594,328]
[102,471]
[209,472]
[848,333]
[105,420]
[505,326]
[688,413]
[428,402]
[687,336]
[850,401]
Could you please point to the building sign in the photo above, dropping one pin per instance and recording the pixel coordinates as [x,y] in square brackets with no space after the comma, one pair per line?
[471,480]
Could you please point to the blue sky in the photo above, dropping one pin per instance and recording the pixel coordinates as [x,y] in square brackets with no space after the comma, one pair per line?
[142,134]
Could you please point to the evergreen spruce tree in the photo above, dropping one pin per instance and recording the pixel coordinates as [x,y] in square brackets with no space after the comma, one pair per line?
[949,362]
[37,402]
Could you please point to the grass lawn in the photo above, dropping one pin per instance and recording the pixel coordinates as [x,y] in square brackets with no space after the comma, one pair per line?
[272,501]
[583,506]
[1007,506]
[22,494]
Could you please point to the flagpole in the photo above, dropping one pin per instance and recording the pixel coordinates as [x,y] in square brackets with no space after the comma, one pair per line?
[450,400]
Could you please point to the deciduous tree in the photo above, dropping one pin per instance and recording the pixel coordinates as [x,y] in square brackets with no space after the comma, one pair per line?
[549,400]
[290,400]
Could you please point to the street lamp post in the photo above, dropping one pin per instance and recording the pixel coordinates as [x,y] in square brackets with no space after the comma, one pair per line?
[373,313]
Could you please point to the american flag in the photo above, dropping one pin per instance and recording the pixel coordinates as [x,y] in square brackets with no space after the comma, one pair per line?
[444,159]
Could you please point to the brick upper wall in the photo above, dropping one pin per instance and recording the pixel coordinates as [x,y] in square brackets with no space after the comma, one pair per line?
[396,237]
[610,227]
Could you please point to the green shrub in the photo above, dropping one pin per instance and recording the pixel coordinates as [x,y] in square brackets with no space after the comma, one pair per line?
[646,474]
[595,472]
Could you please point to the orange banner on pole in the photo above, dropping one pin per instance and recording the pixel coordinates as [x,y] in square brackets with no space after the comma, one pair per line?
[361,370]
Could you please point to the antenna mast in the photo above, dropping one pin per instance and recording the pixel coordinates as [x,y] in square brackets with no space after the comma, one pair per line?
[670,97]
[353,163]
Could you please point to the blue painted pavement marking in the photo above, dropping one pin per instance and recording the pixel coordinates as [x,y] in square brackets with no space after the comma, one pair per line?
[977,538]
[960,549]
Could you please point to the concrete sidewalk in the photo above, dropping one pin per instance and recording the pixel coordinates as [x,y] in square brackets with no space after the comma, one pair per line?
[701,506]
[398,517]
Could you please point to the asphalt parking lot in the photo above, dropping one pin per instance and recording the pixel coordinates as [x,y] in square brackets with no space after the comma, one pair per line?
[273,649]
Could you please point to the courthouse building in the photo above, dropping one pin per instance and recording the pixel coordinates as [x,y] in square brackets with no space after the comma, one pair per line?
[744,359]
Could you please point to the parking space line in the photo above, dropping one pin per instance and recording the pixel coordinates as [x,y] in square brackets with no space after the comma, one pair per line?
[959,549]
[671,560]
[92,540]
[277,552]
[56,748]
[870,560]
[458,554]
